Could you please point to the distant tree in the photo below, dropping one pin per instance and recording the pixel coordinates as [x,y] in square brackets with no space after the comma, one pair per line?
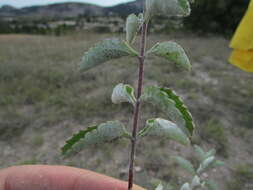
[216,16]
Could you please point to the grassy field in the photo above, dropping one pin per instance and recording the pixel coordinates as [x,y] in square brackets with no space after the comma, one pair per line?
[44,99]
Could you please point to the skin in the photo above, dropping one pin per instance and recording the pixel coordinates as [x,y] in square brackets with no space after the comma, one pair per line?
[41,177]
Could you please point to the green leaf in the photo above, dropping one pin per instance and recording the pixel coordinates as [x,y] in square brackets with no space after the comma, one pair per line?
[189,124]
[211,185]
[105,51]
[167,8]
[210,153]
[159,187]
[185,164]
[123,93]
[173,52]
[132,27]
[195,182]
[102,133]
[175,112]
[164,128]
[186,186]
[75,138]
[207,163]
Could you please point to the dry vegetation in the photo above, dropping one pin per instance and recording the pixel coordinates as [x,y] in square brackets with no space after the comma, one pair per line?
[44,98]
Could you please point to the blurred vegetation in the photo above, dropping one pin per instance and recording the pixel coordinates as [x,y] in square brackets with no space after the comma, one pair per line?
[216,16]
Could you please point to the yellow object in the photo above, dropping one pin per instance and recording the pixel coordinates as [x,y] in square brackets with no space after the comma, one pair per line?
[242,43]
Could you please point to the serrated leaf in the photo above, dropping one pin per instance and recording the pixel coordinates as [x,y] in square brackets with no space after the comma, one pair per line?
[186,186]
[189,124]
[211,185]
[102,133]
[123,93]
[132,27]
[167,8]
[185,164]
[104,51]
[173,52]
[158,97]
[205,164]
[164,128]
[75,138]
[195,182]
[159,187]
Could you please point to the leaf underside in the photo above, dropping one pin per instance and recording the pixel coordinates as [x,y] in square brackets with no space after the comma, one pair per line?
[123,93]
[132,27]
[164,128]
[185,164]
[104,51]
[173,107]
[105,132]
[173,52]
[167,8]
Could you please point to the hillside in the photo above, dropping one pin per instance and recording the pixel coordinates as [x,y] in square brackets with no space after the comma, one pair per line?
[63,10]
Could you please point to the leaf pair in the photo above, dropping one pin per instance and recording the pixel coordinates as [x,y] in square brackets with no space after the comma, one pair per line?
[113,48]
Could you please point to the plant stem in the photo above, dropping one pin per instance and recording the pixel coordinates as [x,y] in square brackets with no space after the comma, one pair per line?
[137,105]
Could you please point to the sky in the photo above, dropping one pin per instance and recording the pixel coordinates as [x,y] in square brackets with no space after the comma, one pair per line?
[23,3]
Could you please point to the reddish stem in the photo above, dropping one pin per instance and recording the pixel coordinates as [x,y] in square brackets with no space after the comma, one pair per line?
[137,105]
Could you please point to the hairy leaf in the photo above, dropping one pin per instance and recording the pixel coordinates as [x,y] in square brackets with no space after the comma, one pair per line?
[211,185]
[160,98]
[159,187]
[164,128]
[173,52]
[105,51]
[189,124]
[102,133]
[210,153]
[123,93]
[206,164]
[186,186]
[167,8]
[200,152]
[185,164]
[132,27]
[195,182]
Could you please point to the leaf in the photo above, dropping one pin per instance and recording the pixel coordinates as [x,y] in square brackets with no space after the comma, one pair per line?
[164,128]
[132,27]
[75,138]
[167,8]
[160,98]
[195,182]
[200,152]
[186,186]
[159,187]
[173,52]
[205,164]
[123,93]
[210,153]
[105,51]
[102,133]
[189,124]
[185,164]
[211,185]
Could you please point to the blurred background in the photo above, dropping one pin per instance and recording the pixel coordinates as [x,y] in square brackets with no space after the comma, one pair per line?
[44,98]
